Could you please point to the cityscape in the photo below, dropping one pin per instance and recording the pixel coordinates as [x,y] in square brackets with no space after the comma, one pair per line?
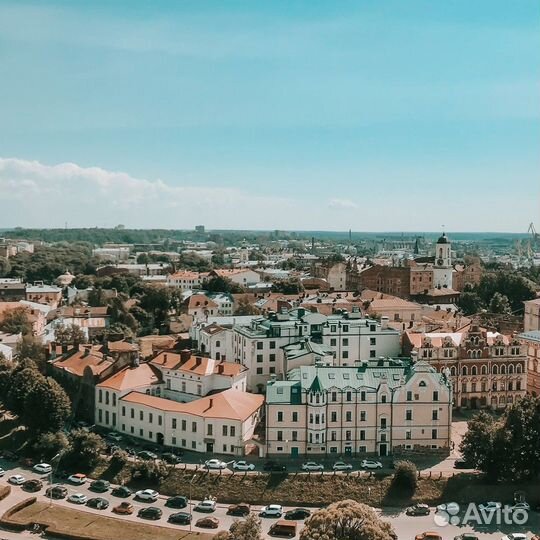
[269,270]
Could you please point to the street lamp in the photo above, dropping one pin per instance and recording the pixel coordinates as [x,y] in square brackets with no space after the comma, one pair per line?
[190,503]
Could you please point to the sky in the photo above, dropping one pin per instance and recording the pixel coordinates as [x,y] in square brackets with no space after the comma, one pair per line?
[370,115]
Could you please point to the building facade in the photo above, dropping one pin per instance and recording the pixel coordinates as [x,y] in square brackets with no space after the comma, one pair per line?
[531,341]
[531,319]
[376,408]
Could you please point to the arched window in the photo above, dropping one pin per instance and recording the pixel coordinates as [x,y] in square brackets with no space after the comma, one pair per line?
[464,370]
[453,371]
[511,369]
[474,371]
[503,370]
[519,368]
[484,370]
[502,400]
[495,369]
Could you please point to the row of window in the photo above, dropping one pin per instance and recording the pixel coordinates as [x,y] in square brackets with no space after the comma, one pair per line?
[497,386]
[319,438]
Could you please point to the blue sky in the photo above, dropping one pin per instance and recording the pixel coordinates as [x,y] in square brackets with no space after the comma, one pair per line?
[370,115]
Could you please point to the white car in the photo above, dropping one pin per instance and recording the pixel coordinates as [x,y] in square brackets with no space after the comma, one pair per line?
[2,472]
[451,508]
[370,464]
[272,510]
[78,498]
[490,506]
[341,466]
[520,506]
[78,479]
[515,536]
[312,466]
[113,436]
[243,466]
[147,495]
[42,468]
[17,479]
[215,464]
[208,505]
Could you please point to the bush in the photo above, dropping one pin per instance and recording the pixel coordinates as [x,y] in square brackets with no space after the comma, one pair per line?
[406,477]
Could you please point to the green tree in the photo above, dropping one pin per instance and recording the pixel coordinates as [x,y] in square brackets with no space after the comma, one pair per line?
[47,407]
[346,520]
[21,383]
[85,448]
[32,348]
[248,529]
[222,284]
[143,258]
[70,334]
[47,445]
[5,267]
[288,286]
[15,321]
[244,307]
[499,304]
[405,477]
[470,302]
[6,368]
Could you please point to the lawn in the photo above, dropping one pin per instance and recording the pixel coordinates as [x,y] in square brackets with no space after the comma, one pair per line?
[71,523]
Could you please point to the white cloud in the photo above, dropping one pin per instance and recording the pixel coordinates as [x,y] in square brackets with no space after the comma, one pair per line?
[342,204]
[37,195]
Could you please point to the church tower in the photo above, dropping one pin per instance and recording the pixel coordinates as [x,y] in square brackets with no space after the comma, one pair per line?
[442,267]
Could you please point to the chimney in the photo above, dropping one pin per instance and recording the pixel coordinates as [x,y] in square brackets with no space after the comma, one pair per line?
[198,362]
[220,368]
[185,355]
[210,404]
[384,323]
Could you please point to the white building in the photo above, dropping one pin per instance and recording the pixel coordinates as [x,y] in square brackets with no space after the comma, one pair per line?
[240,276]
[442,267]
[186,280]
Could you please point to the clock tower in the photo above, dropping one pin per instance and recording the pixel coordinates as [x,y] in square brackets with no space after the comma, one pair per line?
[442,266]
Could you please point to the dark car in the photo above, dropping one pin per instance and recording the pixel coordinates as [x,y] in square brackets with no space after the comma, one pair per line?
[98,502]
[56,492]
[418,510]
[178,501]
[297,513]
[170,458]
[100,486]
[180,518]
[146,454]
[242,509]
[121,491]
[151,512]
[272,466]
[32,485]
[463,464]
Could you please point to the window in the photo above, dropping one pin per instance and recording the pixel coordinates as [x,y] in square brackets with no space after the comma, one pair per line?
[372,327]
[272,357]
[194,427]
[280,416]
[345,354]
[362,396]
[141,415]
[348,396]
[408,434]
[272,369]
[209,429]
[193,445]
[347,435]
[259,358]
[233,431]
[280,435]
[362,416]
[272,344]
[345,327]
[333,436]
[294,435]
[225,430]
[333,328]
[334,396]
[123,411]
[435,395]
[433,433]
[348,416]
[333,342]
[409,396]
[259,345]
[259,371]
[295,417]
[184,425]
[132,413]
[141,432]
[174,423]
[372,354]
[100,396]
[408,414]
[150,417]
[434,414]
[333,416]
[383,398]
[106,398]
[362,435]
[345,342]
[100,415]
[383,423]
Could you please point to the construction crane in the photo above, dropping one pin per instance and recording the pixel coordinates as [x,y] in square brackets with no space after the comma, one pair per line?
[534,235]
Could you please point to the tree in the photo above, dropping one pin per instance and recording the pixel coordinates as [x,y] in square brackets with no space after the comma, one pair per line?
[6,368]
[70,334]
[249,529]
[346,520]
[499,304]
[143,258]
[508,283]
[5,267]
[47,406]
[222,284]
[477,443]
[21,384]
[405,477]
[85,448]
[47,445]
[288,286]
[470,302]
[244,307]
[31,348]
[16,321]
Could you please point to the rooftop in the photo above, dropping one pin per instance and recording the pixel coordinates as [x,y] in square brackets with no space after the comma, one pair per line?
[132,377]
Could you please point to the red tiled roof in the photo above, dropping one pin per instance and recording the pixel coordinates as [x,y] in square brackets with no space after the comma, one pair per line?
[132,377]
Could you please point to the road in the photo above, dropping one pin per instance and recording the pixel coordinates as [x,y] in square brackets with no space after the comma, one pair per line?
[405,527]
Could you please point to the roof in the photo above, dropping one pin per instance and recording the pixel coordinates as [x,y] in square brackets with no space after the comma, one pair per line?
[443,239]
[201,301]
[121,346]
[185,274]
[229,404]
[457,338]
[198,365]
[533,335]
[212,329]
[388,303]
[77,361]
[303,347]
[132,377]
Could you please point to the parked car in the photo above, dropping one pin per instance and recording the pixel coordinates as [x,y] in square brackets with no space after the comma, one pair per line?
[297,513]
[56,492]
[490,506]
[77,479]
[419,509]
[170,458]
[467,536]
[2,472]
[121,491]
[428,536]
[124,508]
[515,536]
[180,518]
[99,503]
[78,498]
[273,466]
[151,512]
[370,464]
[207,523]
[113,436]
[42,468]
[146,454]
[312,466]
[148,495]
[462,463]
[178,501]
[32,485]
[243,466]
[341,466]
[17,479]
[100,486]
[520,506]
[451,508]
[272,510]
[241,509]
[208,505]
[283,528]
[215,464]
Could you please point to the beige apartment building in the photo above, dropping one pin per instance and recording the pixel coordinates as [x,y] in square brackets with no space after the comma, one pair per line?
[531,319]
[531,341]
[377,408]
